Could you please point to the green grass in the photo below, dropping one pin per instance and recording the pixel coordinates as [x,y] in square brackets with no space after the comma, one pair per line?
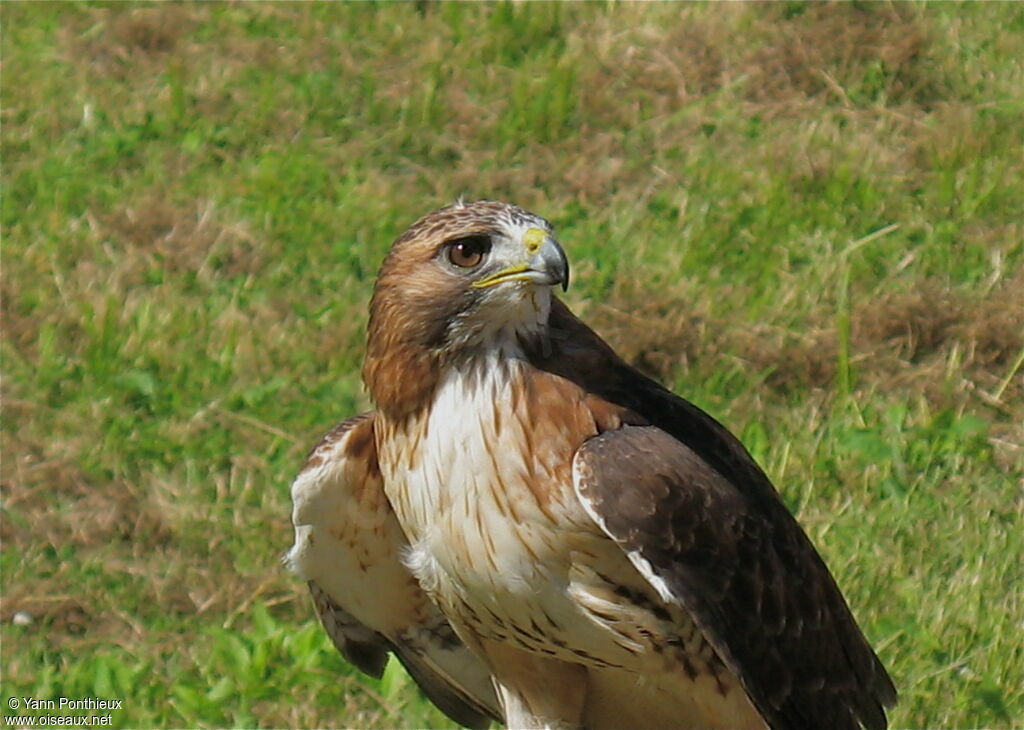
[805,218]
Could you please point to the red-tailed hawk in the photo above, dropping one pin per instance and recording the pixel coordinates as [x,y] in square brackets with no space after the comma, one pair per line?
[544,536]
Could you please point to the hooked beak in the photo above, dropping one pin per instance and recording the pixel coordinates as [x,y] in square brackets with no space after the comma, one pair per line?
[545,263]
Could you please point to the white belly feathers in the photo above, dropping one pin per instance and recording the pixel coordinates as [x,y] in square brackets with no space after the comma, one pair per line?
[482,486]
[478,507]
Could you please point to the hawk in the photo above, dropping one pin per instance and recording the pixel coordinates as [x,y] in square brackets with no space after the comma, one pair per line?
[544,536]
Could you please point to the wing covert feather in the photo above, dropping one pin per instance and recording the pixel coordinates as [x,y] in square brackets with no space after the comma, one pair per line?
[748,576]
[348,547]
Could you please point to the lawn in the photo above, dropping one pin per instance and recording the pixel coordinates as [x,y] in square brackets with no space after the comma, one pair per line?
[807,219]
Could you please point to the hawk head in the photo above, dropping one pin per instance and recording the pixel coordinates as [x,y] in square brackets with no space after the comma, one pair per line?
[462,282]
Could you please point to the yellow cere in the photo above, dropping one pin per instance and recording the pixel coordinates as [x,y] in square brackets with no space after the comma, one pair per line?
[533,239]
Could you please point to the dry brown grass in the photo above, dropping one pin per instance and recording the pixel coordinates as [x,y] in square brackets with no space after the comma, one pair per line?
[122,43]
[830,48]
[942,342]
[177,239]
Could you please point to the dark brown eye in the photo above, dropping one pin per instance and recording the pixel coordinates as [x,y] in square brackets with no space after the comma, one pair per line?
[469,251]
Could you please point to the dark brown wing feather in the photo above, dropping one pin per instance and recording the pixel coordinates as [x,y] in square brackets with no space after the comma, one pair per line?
[686,497]
[366,649]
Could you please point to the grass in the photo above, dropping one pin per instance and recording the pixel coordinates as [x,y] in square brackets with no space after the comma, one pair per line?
[805,218]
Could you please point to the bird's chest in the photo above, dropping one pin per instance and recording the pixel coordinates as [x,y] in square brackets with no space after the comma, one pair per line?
[483,489]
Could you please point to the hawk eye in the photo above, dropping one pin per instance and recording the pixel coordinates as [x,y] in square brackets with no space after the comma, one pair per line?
[469,251]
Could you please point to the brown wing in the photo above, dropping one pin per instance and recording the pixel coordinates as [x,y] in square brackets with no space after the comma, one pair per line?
[348,547]
[744,571]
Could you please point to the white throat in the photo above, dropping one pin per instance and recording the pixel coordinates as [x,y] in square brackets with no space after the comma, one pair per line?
[522,311]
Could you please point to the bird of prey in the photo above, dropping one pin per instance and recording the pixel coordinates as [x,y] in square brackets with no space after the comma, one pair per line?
[544,536]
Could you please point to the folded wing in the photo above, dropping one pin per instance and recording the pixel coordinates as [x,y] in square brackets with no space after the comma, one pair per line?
[745,573]
[348,547]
